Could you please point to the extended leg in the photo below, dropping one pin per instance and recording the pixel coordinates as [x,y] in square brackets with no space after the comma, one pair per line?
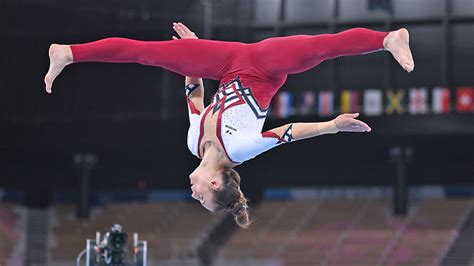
[295,54]
[191,57]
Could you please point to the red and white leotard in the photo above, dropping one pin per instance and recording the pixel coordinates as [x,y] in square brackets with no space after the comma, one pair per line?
[242,102]
[239,123]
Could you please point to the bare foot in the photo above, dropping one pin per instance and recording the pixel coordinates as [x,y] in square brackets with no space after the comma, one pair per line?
[397,43]
[59,57]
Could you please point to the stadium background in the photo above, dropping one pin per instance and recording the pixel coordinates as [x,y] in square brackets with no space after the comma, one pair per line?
[133,119]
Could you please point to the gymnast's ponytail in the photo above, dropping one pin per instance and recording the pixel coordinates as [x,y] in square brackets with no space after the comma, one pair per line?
[240,212]
[231,199]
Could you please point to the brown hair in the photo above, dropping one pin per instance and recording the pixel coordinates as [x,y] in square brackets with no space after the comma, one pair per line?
[231,199]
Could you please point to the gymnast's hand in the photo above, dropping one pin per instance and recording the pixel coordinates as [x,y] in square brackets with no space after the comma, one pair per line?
[349,123]
[183,31]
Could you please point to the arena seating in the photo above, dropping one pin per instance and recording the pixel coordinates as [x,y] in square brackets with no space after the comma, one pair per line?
[429,231]
[345,232]
[300,232]
[9,231]
[171,228]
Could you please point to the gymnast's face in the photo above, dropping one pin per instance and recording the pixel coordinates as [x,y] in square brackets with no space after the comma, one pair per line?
[202,185]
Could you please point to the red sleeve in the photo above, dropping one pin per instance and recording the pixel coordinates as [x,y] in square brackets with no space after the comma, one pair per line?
[270,134]
[192,108]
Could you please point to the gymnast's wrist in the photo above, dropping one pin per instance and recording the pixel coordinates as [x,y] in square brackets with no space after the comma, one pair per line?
[328,127]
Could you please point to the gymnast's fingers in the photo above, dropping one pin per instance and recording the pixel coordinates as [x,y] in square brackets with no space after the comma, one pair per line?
[184,27]
[360,123]
[353,115]
[362,126]
[179,30]
[187,31]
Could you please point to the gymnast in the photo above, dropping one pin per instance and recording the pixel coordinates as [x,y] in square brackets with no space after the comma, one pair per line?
[227,132]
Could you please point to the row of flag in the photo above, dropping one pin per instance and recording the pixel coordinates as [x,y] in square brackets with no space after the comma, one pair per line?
[374,102]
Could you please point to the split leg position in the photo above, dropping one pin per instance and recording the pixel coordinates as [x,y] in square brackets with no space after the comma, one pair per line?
[269,60]
[274,57]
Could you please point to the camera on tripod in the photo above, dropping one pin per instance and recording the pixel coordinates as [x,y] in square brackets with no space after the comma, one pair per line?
[113,249]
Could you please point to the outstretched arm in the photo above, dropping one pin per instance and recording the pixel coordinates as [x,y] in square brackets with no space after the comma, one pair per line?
[344,122]
[263,142]
[194,86]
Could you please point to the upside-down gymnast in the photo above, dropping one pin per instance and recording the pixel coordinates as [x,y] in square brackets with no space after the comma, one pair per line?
[227,132]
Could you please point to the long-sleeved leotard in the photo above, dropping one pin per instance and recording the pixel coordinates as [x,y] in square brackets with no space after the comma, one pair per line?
[250,75]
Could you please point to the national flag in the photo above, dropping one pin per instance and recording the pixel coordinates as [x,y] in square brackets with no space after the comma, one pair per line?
[283,104]
[441,102]
[325,103]
[395,101]
[418,101]
[373,102]
[306,103]
[350,101]
[465,99]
